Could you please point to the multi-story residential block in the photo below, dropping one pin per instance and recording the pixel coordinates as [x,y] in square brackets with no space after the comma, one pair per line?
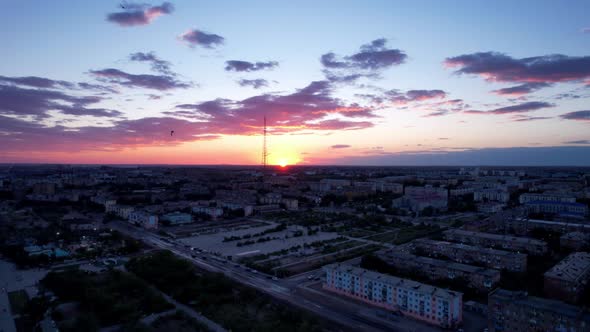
[524,225]
[496,195]
[122,211]
[177,218]
[479,278]
[211,211]
[143,219]
[516,311]
[461,191]
[513,243]
[433,305]
[575,240]
[567,280]
[556,207]
[419,198]
[533,197]
[490,207]
[461,253]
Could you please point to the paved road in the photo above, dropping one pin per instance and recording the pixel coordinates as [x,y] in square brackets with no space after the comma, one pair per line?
[349,317]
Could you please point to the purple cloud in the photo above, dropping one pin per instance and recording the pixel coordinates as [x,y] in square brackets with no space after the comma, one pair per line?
[36,82]
[340,146]
[241,66]
[522,89]
[196,37]
[157,64]
[498,67]
[578,115]
[38,103]
[367,62]
[372,56]
[306,108]
[524,118]
[519,108]
[255,83]
[584,141]
[139,14]
[156,82]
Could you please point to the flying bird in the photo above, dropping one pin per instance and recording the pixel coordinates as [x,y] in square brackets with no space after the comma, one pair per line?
[171,132]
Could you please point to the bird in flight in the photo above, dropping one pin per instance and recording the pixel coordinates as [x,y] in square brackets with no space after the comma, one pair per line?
[171,132]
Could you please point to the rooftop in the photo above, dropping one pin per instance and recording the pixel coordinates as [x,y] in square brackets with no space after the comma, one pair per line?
[573,268]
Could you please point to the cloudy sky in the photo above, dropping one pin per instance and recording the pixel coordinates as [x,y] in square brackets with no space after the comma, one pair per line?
[340,82]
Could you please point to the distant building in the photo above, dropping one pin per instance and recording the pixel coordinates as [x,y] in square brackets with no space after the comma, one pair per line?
[567,280]
[122,211]
[496,195]
[515,311]
[490,207]
[143,219]
[44,188]
[492,258]
[555,207]
[433,305]
[513,243]
[532,197]
[419,198]
[480,278]
[212,211]
[177,218]
[575,240]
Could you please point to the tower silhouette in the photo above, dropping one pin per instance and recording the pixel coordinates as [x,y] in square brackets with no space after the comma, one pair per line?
[264,149]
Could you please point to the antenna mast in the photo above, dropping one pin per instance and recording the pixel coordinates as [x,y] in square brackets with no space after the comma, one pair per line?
[264,150]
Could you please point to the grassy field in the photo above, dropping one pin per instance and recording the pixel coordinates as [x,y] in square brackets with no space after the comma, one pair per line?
[18,300]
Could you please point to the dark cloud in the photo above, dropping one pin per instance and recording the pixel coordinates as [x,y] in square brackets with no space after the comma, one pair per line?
[373,56]
[196,37]
[156,82]
[524,118]
[583,141]
[36,82]
[157,64]
[97,87]
[578,115]
[585,30]
[241,66]
[139,14]
[255,83]
[522,89]
[18,101]
[340,146]
[367,62]
[402,98]
[499,67]
[519,108]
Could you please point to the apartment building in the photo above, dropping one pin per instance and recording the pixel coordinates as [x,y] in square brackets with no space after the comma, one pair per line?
[495,195]
[567,280]
[524,225]
[556,207]
[516,311]
[420,198]
[479,278]
[575,240]
[512,243]
[143,219]
[433,305]
[534,197]
[462,253]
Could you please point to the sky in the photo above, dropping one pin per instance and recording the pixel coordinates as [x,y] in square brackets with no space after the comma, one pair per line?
[339,82]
